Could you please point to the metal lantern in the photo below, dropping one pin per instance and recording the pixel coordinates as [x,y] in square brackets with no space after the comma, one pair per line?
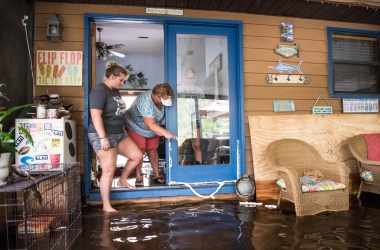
[54,28]
[245,188]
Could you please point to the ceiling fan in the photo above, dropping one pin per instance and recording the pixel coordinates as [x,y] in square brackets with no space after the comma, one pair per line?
[103,50]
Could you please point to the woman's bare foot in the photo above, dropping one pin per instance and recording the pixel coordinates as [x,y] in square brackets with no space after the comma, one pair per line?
[109,210]
[126,184]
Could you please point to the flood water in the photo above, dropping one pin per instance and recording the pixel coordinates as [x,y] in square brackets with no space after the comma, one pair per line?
[227,225]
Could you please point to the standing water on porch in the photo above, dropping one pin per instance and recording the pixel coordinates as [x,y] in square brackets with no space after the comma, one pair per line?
[226,225]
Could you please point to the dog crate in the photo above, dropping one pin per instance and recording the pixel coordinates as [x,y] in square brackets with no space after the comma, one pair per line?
[43,212]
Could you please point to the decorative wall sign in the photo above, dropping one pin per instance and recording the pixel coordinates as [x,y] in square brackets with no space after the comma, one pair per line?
[287,50]
[360,105]
[281,67]
[286,32]
[161,11]
[283,106]
[293,79]
[59,68]
[321,109]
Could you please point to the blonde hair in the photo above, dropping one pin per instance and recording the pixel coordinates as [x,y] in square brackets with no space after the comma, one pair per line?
[163,90]
[113,68]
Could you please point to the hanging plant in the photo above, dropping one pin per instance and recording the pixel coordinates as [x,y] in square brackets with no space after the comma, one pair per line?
[7,136]
[136,80]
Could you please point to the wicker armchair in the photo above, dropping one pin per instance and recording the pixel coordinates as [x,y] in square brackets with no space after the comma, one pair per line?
[358,148]
[291,158]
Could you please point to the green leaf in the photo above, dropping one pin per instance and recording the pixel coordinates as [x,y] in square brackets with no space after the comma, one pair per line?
[8,147]
[7,136]
[27,134]
[11,110]
[4,136]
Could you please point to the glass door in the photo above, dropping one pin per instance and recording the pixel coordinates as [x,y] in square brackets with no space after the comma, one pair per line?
[202,69]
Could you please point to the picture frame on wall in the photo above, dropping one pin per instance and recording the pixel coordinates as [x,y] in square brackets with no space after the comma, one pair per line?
[286,32]
[351,105]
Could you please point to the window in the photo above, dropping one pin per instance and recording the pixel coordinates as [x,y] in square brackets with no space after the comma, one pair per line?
[354,63]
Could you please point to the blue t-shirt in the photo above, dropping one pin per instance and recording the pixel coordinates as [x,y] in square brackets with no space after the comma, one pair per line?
[143,106]
[113,107]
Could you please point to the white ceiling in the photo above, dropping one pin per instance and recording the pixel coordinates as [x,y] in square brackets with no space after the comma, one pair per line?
[130,33]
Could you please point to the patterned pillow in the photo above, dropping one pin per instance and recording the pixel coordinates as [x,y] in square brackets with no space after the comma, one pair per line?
[322,185]
[367,176]
[303,179]
[314,184]
[281,183]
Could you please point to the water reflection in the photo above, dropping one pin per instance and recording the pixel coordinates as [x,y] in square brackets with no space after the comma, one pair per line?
[226,225]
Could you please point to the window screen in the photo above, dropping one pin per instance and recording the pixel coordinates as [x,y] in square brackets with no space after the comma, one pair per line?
[355,62]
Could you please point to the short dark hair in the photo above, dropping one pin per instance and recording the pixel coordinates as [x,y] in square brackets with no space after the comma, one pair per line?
[163,90]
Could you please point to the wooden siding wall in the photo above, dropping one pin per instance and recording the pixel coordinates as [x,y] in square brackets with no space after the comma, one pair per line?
[261,36]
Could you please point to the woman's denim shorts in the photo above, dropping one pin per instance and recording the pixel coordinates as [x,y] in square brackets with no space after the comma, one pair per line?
[114,139]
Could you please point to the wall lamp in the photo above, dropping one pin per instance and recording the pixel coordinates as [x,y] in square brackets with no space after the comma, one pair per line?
[54,28]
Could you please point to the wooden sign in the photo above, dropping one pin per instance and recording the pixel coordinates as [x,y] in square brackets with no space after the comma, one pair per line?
[59,68]
[292,79]
[287,50]
[360,105]
[283,106]
[322,109]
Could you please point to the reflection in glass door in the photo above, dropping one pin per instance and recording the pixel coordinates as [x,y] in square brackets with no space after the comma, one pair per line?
[202,104]
[201,67]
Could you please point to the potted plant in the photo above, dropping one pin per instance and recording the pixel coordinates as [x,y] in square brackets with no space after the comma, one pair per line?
[7,139]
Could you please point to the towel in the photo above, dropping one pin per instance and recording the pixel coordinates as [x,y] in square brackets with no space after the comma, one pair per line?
[373,146]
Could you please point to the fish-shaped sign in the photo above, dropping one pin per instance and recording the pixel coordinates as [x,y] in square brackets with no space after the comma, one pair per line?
[287,50]
[280,67]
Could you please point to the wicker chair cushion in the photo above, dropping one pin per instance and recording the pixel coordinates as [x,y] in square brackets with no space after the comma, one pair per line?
[314,184]
[367,176]
[373,146]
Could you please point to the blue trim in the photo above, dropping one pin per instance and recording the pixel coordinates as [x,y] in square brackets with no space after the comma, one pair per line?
[167,190]
[170,191]
[241,130]
[87,88]
[330,62]
[158,19]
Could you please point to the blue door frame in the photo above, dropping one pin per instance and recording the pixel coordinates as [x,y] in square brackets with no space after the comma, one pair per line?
[166,191]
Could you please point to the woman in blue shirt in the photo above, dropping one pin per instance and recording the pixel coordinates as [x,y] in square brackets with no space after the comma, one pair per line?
[143,124]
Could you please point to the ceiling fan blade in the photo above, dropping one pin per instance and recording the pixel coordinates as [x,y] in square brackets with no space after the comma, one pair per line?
[117,54]
[116,46]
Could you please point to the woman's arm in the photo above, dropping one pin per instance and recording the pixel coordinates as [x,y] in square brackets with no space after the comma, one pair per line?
[96,116]
[151,124]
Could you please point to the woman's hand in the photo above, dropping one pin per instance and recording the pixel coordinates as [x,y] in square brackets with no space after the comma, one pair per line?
[169,135]
[105,143]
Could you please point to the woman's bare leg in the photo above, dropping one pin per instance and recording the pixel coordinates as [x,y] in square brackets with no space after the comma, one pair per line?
[130,150]
[139,167]
[107,161]
[154,159]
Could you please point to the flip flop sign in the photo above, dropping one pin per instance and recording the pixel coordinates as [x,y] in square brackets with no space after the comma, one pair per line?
[61,68]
